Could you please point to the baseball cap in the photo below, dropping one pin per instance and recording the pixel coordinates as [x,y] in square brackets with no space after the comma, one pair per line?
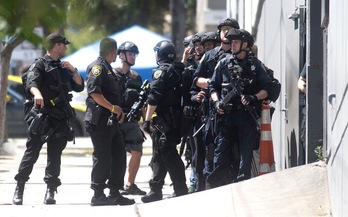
[55,37]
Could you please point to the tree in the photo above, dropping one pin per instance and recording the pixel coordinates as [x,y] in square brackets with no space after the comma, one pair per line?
[105,17]
[18,18]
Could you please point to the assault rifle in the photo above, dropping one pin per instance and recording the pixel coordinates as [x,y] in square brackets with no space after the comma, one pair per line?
[137,106]
[237,84]
[65,98]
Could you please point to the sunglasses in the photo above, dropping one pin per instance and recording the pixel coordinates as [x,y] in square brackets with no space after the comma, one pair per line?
[225,28]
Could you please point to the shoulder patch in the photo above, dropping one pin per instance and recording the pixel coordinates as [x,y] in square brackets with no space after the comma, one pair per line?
[96,70]
[157,73]
[31,67]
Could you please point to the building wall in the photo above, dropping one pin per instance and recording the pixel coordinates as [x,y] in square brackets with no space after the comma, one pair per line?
[209,13]
[284,47]
[337,80]
[279,47]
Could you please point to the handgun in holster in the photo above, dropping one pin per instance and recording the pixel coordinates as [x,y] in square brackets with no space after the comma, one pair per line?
[37,125]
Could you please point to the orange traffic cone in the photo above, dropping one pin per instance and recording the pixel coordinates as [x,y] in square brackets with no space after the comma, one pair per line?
[266,143]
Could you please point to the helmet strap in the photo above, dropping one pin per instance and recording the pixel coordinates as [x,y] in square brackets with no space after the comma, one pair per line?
[126,59]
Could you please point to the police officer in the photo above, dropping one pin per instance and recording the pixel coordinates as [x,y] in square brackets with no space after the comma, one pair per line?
[201,80]
[301,84]
[193,53]
[238,85]
[191,119]
[208,62]
[210,40]
[133,137]
[164,99]
[47,87]
[102,120]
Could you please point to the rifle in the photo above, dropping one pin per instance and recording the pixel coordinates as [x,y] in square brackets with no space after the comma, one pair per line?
[67,107]
[137,106]
[62,95]
[237,84]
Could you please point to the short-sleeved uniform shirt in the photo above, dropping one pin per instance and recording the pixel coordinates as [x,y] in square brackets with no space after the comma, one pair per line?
[101,79]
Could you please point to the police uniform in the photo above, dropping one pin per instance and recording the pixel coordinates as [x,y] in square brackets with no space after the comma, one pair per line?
[130,84]
[236,118]
[205,69]
[191,122]
[165,93]
[43,74]
[302,104]
[109,156]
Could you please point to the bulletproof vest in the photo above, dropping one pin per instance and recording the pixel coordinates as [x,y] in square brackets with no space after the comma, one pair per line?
[173,89]
[242,71]
[187,79]
[50,87]
[215,56]
[131,92]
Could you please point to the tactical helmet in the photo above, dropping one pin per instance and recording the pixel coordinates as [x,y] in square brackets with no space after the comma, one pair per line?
[128,46]
[197,37]
[240,34]
[248,38]
[228,22]
[209,36]
[165,50]
[187,40]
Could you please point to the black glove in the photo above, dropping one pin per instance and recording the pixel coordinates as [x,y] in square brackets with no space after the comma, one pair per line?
[146,126]
[218,105]
[250,98]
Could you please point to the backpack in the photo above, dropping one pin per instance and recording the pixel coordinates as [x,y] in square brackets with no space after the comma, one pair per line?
[275,87]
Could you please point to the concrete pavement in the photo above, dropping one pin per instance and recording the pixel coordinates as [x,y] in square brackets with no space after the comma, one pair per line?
[300,191]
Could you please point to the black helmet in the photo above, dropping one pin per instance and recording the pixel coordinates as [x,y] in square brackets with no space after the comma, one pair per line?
[128,46]
[240,34]
[187,40]
[209,36]
[248,38]
[165,50]
[228,22]
[197,37]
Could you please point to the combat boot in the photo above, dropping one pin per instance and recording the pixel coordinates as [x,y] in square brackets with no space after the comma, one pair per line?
[49,196]
[152,196]
[116,196]
[99,199]
[18,195]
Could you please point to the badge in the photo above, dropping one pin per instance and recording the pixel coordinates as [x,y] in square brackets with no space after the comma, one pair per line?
[96,70]
[157,74]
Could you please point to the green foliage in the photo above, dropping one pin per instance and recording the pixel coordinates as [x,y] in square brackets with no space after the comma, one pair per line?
[319,152]
[91,20]
[20,17]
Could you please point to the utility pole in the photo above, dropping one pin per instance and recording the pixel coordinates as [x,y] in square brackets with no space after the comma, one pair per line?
[178,13]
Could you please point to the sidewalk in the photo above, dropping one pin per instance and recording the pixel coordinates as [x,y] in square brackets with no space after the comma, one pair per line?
[300,191]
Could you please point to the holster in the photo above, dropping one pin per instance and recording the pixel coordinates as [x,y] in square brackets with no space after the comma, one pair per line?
[28,105]
[93,114]
[39,123]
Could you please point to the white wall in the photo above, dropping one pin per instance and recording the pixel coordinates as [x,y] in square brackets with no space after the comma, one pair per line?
[337,112]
